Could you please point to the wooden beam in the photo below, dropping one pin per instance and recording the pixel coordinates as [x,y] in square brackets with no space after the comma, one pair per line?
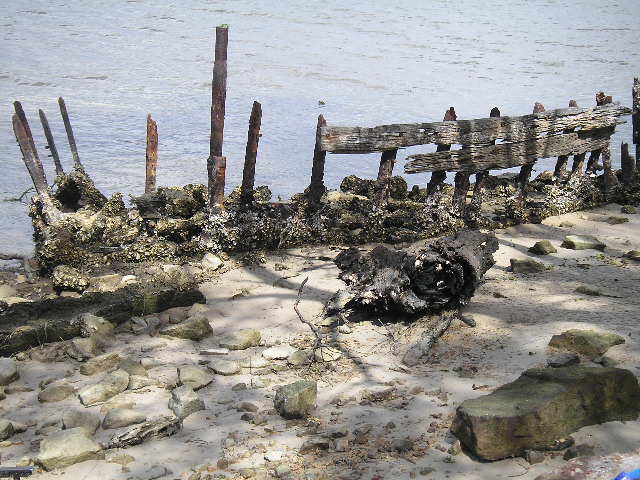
[152,155]
[436,182]
[525,170]
[251,153]
[316,186]
[51,144]
[636,119]
[627,164]
[468,132]
[216,169]
[218,100]
[601,100]
[385,171]
[508,155]
[32,154]
[560,169]
[29,155]
[72,139]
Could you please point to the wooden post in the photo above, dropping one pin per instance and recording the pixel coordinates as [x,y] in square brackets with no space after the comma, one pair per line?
[481,178]
[29,154]
[253,138]
[70,136]
[385,171]
[218,100]
[525,170]
[636,120]
[152,155]
[216,168]
[561,165]
[438,177]
[32,154]
[51,145]
[316,187]
[610,179]
[601,99]
[627,164]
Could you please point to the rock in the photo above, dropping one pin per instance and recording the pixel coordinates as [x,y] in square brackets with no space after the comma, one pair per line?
[69,278]
[595,292]
[247,407]
[543,247]
[122,417]
[629,209]
[101,363]
[282,471]
[526,265]
[582,242]
[194,377]
[606,361]
[455,448]
[341,445]
[55,393]
[215,351]
[586,342]
[224,367]
[105,283]
[8,371]
[278,352]
[83,348]
[633,255]
[133,367]
[184,401]
[314,444]
[84,419]
[299,357]
[211,261]
[402,445]
[595,467]
[196,309]
[616,220]
[378,393]
[327,354]
[7,291]
[344,329]
[241,339]
[543,406]
[563,360]
[253,361]
[533,456]
[274,455]
[112,384]
[67,447]
[195,328]
[582,450]
[137,382]
[116,403]
[94,326]
[174,315]
[296,400]
[6,429]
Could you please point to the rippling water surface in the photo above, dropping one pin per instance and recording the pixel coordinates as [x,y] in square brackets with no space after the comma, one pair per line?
[370,63]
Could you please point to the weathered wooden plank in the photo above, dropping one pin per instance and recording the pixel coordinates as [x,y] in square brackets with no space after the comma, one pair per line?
[468,132]
[436,182]
[636,119]
[316,186]
[601,99]
[30,156]
[387,162]
[151,156]
[72,139]
[627,164]
[508,155]
[527,168]
[560,169]
[219,91]
[251,154]
[51,144]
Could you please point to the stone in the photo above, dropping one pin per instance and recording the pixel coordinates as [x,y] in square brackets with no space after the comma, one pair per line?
[195,328]
[628,209]
[7,291]
[68,278]
[543,247]
[122,417]
[81,348]
[68,447]
[105,283]
[247,407]
[595,467]
[84,419]
[344,329]
[6,429]
[341,445]
[116,403]
[590,343]
[563,360]
[533,456]
[174,315]
[543,406]
[211,261]
[215,351]
[94,326]
[617,220]
[327,354]
[274,455]
[8,371]
[184,401]
[526,265]
[133,367]
[278,352]
[198,309]
[296,400]
[402,445]
[575,451]
[110,385]
[378,393]
[136,382]
[55,392]
[595,292]
[194,377]
[224,367]
[101,363]
[583,242]
[606,361]
[282,471]
[633,255]
[299,357]
[241,339]
[253,361]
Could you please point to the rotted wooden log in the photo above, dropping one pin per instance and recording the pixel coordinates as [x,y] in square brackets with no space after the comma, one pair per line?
[216,164]
[385,172]
[151,156]
[636,119]
[436,182]
[560,169]
[216,169]
[51,144]
[525,170]
[594,156]
[251,153]
[29,154]
[316,187]
[627,164]
[439,275]
[72,139]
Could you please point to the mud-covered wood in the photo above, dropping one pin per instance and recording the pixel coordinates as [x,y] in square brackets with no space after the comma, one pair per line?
[30,156]
[70,136]
[443,274]
[468,132]
[508,155]
[527,168]
[251,153]
[627,164]
[560,169]
[151,155]
[316,187]
[636,119]
[577,168]
[51,144]
[473,210]
[151,429]
[385,171]
[436,182]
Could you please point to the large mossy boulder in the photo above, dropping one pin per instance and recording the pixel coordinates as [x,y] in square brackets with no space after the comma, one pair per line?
[590,343]
[543,406]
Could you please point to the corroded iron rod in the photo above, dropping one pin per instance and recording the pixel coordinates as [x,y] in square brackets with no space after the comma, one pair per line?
[72,140]
[437,178]
[316,187]
[218,100]
[251,153]
[51,145]
[151,156]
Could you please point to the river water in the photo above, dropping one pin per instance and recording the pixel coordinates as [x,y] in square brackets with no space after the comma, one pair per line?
[369,63]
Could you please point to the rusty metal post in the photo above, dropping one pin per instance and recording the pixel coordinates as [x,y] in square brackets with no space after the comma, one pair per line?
[51,145]
[72,140]
[251,153]
[151,156]
[316,186]
[216,168]
[218,100]
[438,177]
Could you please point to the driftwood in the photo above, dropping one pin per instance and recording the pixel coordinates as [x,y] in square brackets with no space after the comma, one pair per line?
[469,132]
[157,428]
[441,275]
[434,329]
